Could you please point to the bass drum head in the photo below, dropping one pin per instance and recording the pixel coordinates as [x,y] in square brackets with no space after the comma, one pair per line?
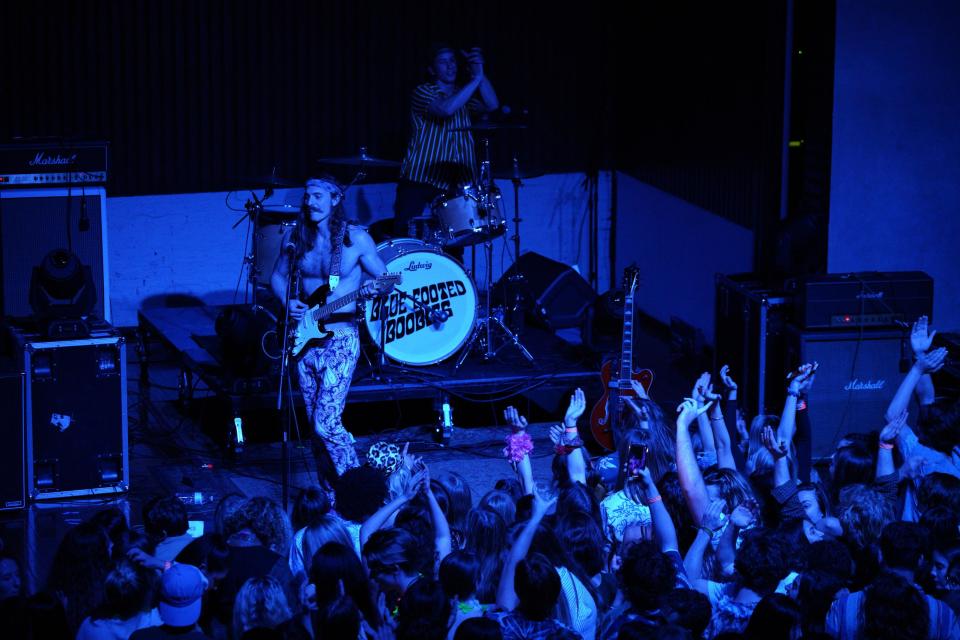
[439,282]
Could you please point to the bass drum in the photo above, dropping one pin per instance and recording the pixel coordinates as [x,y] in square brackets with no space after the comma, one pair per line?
[436,280]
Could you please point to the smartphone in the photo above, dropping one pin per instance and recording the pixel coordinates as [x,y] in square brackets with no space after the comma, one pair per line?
[636,459]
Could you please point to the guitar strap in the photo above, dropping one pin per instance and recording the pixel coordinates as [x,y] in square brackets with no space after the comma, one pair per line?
[334,279]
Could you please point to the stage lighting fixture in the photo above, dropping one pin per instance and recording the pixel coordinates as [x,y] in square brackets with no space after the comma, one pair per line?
[62,293]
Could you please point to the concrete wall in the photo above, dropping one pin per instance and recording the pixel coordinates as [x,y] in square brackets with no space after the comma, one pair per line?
[166,248]
[895,184]
[679,247]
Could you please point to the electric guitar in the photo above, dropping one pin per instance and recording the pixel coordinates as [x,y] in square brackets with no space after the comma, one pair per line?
[310,328]
[606,419]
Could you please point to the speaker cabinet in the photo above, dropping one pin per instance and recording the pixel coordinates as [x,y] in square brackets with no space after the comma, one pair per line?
[858,376]
[552,293]
[76,416]
[34,222]
[12,495]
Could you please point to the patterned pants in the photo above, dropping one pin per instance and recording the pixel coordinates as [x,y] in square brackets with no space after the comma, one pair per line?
[325,375]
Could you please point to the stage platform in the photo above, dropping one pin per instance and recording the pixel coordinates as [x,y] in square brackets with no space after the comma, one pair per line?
[190,332]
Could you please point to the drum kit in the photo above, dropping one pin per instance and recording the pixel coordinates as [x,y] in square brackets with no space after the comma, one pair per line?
[437,311]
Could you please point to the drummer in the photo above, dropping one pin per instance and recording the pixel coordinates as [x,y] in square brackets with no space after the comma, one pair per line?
[439,159]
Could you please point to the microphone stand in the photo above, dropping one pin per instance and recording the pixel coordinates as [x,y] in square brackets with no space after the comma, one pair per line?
[285,377]
[417,304]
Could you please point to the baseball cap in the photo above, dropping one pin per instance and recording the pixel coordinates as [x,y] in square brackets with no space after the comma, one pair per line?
[181,593]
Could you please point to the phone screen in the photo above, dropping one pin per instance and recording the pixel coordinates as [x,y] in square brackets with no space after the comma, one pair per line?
[636,459]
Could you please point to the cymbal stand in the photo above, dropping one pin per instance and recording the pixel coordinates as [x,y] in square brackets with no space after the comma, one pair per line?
[254,210]
[517,279]
[485,323]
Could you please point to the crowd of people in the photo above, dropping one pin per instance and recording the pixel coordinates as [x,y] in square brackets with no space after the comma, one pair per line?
[703,526]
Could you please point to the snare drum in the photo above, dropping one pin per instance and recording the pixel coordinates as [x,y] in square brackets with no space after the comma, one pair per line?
[462,221]
[436,280]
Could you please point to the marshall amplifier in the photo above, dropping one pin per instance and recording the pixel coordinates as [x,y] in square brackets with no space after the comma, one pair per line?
[52,164]
[871,299]
[858,375]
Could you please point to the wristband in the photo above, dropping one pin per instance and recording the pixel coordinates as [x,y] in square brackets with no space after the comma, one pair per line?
[572,429]
[654,499]
[795,394]
[886,445]
[706,530]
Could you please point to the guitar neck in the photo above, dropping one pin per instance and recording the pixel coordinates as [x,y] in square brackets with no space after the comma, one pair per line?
[325,310]
[626,348]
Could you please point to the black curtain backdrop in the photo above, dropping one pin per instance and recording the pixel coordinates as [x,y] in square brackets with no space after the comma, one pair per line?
[198,95]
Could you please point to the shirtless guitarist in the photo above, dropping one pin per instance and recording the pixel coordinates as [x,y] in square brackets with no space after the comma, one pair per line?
[325,249]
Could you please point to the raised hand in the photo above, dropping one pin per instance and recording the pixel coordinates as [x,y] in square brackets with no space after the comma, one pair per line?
[713,516]
[921,337]
[474,61]
[514,419]
[578,404]
[639,390]
[699,387]
[776,446]
[709,395]
[419,480]
[742,517]
[542,505]
[892,429]
[689,409]
[802,378]
[932,361]
[556,434]
[726,379]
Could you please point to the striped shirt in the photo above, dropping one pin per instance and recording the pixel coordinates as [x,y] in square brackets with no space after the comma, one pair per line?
[437,155]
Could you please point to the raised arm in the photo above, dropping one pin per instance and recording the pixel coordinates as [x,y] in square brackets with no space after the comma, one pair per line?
[710,523]
[663,527]
[721,435]
[441,528]
[380,517]
[778,448]
[703,422]
[691,480]
[576,464]
[888,436]
[487,95]
[918,378]
[799,383]
[506,595]
[515,445]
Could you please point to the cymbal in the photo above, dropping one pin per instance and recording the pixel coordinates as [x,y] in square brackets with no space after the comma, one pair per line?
[522,174]
[487,127]
[360,160]
[272,181]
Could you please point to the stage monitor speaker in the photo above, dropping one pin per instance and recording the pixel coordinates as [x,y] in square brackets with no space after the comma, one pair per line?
[858,375]
[553,294]
[12,494]
[34,222]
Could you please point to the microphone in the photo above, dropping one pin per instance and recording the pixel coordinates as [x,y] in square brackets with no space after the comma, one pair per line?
[438,316]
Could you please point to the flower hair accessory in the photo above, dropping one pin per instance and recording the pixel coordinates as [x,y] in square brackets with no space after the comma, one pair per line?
[384,456]
[519,444]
